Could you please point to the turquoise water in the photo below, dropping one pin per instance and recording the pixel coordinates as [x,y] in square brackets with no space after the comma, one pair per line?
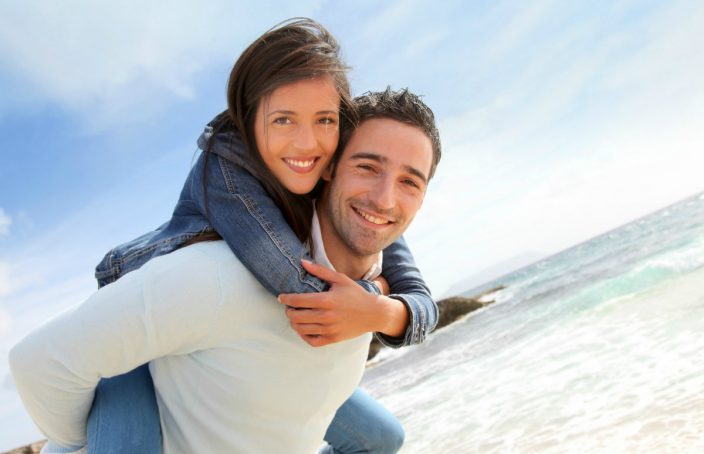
[596,349]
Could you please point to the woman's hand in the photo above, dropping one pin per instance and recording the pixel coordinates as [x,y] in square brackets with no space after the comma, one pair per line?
[344,312]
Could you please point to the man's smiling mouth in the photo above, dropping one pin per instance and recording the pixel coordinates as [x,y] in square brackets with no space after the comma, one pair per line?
[371,218]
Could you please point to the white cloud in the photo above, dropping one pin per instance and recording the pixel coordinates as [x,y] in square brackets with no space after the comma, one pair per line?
[5,323]
[4,279]
[522,20]
[579,142]
[103,58]
[5,222]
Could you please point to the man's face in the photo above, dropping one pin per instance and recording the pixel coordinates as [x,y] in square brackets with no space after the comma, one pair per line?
[378,186]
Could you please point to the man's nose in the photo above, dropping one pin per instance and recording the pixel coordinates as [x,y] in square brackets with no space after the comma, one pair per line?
[384,193]
[305,138]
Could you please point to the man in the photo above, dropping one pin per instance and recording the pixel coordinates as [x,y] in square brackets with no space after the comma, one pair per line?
[373,191]
[394,122]
[379,184]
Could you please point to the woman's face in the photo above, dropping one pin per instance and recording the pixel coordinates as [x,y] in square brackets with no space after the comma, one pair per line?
[297,130]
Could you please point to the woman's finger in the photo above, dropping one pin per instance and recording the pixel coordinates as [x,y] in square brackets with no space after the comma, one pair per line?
[323,272]
[304,300]
[309,329]
[305,315]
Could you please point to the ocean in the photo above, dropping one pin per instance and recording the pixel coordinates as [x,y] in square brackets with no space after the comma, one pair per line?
[596,349]
[599,348]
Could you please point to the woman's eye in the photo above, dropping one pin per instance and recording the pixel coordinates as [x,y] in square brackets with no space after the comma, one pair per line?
[282,121]
[328,121]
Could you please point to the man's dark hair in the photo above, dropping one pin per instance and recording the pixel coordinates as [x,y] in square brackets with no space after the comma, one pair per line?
[402,106]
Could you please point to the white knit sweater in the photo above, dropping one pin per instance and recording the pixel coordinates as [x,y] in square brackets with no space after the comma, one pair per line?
[230,373]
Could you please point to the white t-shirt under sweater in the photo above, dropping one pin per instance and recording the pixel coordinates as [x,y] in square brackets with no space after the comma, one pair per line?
[230,373]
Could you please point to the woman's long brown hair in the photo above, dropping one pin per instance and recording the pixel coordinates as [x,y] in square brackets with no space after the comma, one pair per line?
[294,50]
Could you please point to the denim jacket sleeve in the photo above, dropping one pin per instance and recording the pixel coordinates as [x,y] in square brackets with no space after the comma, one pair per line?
[408,286]
[241,211]
[251,224]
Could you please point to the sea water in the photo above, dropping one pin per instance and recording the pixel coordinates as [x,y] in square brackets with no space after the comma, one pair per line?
[597,349]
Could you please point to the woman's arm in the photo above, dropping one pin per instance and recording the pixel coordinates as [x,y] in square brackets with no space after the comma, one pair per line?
[337,315]
[242,213]
[407,285]
[251,224]
[145,315]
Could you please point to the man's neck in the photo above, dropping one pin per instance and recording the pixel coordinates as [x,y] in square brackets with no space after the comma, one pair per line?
[342,258]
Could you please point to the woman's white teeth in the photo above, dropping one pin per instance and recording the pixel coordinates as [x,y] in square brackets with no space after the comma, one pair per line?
[372,219]
[297,163]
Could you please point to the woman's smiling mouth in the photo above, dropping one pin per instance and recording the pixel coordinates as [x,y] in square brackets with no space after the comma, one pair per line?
[301,165]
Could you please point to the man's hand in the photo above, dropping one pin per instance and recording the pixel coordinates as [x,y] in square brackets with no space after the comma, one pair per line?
[343,312]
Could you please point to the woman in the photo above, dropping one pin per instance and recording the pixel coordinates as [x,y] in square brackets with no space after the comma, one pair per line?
[237,191]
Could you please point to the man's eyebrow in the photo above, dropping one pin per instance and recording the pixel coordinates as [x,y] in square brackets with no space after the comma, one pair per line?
[368,155]
[417,173]
[383,160]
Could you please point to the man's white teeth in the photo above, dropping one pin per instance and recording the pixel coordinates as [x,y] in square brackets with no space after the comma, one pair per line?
[372,219]
[302,164]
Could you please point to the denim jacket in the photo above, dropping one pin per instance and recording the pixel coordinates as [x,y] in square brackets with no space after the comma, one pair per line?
[243,214]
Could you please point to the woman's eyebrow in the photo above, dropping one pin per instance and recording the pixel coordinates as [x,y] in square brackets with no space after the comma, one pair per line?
[291,112]
[280,112]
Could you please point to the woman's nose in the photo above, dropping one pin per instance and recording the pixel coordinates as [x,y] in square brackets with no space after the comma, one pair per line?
[305,138]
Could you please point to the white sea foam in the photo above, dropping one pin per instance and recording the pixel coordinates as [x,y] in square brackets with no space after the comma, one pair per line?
[597,350]
[626,376]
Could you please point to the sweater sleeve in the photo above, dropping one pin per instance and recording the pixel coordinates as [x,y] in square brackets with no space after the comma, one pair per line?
[167,307]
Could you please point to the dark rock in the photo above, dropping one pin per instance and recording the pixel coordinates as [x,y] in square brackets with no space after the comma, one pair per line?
[450,310]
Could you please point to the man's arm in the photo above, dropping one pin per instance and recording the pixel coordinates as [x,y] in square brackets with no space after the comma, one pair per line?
[121,326]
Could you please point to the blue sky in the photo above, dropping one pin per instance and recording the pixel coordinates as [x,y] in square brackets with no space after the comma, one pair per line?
[559,120]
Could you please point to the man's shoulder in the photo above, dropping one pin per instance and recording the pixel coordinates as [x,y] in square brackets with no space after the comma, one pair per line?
[203,253]
[210,263]
[191,265]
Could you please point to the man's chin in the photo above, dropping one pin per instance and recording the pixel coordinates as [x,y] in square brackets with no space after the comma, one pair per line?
[367,248]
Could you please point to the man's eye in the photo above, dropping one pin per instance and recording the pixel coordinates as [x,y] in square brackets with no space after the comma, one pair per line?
[365,167]
[411,183]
